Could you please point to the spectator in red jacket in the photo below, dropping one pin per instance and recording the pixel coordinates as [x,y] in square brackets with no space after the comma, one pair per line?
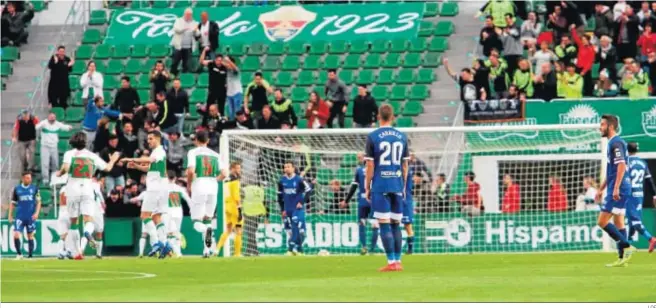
[317,112]
[511,202]
[557,199]
[471,200]
[647,43]
[584,60]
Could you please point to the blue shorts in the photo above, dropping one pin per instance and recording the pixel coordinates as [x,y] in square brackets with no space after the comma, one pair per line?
[634,209]
[20,224]
[615,207]
[387,205]
[296,218]
[364,212]
[408,212]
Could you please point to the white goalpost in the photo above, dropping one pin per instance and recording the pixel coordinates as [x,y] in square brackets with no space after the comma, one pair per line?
[553,166]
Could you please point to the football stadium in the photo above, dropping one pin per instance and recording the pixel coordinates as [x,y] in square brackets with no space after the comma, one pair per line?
[328,151]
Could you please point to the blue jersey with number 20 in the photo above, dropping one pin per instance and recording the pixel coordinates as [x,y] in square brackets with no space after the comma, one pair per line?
[387,147]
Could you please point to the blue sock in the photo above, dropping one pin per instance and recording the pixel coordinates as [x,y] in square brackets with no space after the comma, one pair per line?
[388,241]
[30,247]
[620,250]
[398,241]
[17,245]
[362,233]
[374,239]
[617,237]
[299,241]
[642,231]
[411,243]
[632,231]
[294,240]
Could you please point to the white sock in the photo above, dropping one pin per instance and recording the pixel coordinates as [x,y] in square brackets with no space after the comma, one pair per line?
[201,228]
[61,244]
[172,243]
[83,244]
[75,238]
[161,232]
[152,232]
[99,245]
[142,245]
[176,247]
[89,227]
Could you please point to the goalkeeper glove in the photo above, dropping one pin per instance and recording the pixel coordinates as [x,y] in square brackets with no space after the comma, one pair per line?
[240,216]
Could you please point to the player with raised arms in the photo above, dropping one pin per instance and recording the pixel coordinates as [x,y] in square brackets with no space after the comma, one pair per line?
[81,164]
[233,211]
[156,198]
[364,208]
[618,186]
[292,190]
[639,175]
[408,211]
[387,157]
[203,177]
[27,203]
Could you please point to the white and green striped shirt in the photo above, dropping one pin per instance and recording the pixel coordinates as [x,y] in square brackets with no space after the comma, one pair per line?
[50,132]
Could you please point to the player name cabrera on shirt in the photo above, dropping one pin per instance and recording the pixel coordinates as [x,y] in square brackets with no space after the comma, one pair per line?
[390,133]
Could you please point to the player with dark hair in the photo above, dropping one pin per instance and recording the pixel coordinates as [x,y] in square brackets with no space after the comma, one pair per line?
[27,202]
[364,208]
[291,197]
[174,216]
[639,175]
[386,174]
[619,190]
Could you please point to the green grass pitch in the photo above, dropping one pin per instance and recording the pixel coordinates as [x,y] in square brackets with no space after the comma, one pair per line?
[484,277]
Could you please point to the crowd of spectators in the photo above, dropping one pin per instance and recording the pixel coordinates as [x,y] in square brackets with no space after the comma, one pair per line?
[16,16]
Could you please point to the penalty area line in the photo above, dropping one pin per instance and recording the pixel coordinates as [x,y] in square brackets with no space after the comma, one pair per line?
[135,275]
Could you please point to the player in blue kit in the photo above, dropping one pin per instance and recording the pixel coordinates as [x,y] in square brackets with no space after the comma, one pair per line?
[387,157]
[639,175]
[364,208]
[408,211]
[26,203]
[291,198]
[619,190]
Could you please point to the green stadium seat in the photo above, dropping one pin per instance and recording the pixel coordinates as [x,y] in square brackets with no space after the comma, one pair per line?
[291,63]
[385,77]
[444,28]
[65,134]
[187,80]
[74,82]
[79,67]
[74,114]
[349,161]
[141,82]
[121,52]
[405,76]
[139,51]
[338,47]
[271,64]
[318,48]
[198,96]
[352,61]
[392,60]
[349,109]
[412,60]
[346,76]
[399,93]
[405,122]
[431,9]
[354,93]
[224,3]
[101,67]
[298,109]
[380,93]
[92,36]
[418,45]
[449,9]
[103,52]
[159,51]
[305,78]
[595,71]
[111,82]
[373,61]
[366,77]
[296,48]
[46,195]
[348,122]
[144,96]
[331,61]
[98,17]
[345,175]
[6,69]
[302,124]
[425,29]
[438,44]
[322,77]
[208,3]
[284,79]
[133,66]
[203,80]
[10,53]
[359,47]
[425,76]
[312,62]
[325,175]
[299,95]
[38,5]
[380,46]
[251,64]
[396,106]
[246,79]
[84,52]
[238,49]
[419,92]
[413,109]
[160,4]
[63,146]
[140,4]
[432,59]
[257,49]
[276,49]
[399,45]
[115,67]
[59,112]
[183,4]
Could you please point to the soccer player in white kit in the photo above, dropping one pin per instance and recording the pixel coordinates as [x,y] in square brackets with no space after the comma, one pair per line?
[98,218]
[177,193]
[203,177]
[63,225]
[155,201]
[82,164]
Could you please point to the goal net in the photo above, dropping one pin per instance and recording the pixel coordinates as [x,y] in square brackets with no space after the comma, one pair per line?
[536,187]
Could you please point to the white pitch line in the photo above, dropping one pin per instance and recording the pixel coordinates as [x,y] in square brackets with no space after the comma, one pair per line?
[138,275]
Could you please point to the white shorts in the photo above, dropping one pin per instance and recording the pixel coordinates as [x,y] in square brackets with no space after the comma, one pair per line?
[99,221]
[77,205]
[204,205]
[156,202]
[63,222]
[173,224]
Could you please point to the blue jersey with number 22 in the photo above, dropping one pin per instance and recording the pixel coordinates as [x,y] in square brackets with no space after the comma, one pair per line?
[387,147]
[617,154]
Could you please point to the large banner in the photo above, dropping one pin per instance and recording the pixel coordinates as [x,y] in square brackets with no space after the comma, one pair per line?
[275,24]
[478,111]
[45,235]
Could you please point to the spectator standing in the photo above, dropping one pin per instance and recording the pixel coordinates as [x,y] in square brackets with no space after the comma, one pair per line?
[498,73]
[234,88]
[59,89]
[268,120]
[626,34]
[471,201]
[557,197]
[619,9]
[49,141]
[566,51]
[647,44]
[115,207]
[607,57]
[498,9]
[95,111]
[317,112]
[572,83]
[102,135]
[584,60]
[443,191]
[542,56]
[651,63]
[212,123]
[207,34]
[530,30]
[488,38]
[182,41]
[91,83]
[159,77]
[24,135]
[469,90]
[636,82]
[586,201]
[511,202]
[14,24]
[546,83]
[481,75]
[559,67]
[127,140]
[116,176]
[176,152]
[523,78]
[365,110]
[282,109]
[339,194]
[604,23]
[256,96]
[162,114]
[218,77]
[605,87]
[645,14]
[179,103]
[558,23]
[336,93]
[126,99]
[418,166]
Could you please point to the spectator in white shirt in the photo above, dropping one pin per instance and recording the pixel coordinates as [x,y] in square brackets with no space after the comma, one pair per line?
[586,201]
[530,30]
[49,139]
[91,81]
[182,41]
[544,55]
[235,91]
[619,9]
